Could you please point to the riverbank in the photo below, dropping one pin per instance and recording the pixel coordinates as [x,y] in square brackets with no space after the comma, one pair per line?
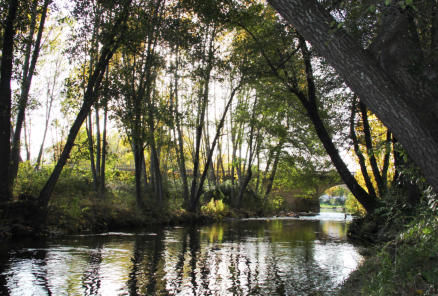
[405,262]
[78,215]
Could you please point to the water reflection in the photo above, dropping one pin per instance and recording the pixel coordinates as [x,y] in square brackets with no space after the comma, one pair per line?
[250,257]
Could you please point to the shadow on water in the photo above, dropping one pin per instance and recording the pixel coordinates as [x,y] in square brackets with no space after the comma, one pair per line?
[249,257]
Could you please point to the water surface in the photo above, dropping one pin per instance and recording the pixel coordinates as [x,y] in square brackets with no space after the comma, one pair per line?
[277,256]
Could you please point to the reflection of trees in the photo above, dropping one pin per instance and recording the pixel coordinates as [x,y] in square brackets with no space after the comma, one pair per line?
[35,258]
[194,249]
[332,230]
[4,264]
[253,258]
[146,273]
[39,270]
[91,280]
[179,267]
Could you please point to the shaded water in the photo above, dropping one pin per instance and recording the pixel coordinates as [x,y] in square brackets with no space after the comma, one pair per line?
[279,256]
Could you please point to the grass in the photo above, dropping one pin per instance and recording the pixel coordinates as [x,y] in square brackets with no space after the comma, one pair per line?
[406,265]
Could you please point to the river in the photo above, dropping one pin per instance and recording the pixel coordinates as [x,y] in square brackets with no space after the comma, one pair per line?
[271,256]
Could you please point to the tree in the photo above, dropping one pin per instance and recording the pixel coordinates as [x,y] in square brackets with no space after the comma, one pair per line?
[289,59]
[31,58]
[5,100]
[111,42]
[404,100]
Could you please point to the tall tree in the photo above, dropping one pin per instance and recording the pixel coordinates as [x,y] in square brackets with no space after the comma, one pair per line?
[110,43]
[290,61]
[381,75]
[31,58]
[5,100]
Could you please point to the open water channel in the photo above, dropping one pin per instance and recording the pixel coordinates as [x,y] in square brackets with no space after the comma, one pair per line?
[275,256]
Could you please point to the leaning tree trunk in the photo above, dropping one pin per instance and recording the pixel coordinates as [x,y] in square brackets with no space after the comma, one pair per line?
[90,98]
[414,125]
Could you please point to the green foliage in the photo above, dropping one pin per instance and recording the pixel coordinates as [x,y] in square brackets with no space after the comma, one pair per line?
[353,206]
[216,209]
[29,182]
[405,266]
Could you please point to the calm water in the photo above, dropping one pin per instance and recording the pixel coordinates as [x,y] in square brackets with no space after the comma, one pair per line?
[280,256]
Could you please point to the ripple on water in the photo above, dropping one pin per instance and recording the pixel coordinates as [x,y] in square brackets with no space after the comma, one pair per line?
[248,257]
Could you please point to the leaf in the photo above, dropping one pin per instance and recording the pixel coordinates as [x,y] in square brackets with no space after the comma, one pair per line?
[387,2]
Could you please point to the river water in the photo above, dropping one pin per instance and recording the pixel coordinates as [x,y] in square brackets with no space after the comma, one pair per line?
[275,256]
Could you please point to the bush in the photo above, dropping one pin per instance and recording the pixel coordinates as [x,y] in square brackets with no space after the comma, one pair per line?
[215,209]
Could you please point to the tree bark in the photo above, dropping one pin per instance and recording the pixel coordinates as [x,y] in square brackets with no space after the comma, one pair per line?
[5,100]
[412,119]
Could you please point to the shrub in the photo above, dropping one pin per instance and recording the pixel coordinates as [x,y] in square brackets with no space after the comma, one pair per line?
[215,209]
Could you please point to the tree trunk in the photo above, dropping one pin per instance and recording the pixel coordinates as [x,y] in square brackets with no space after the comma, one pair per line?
[89,128]
[411,118]
[386,158]
[5,100]
[90,97]
[270,181]
[98,145]
[202,105]
[49,104]
[361,158]
[244,183]
[25,88]
[104,152]
[370,150]
[138,152]
[195,201]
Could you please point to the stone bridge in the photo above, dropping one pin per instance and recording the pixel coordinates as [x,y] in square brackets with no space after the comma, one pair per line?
[306,198]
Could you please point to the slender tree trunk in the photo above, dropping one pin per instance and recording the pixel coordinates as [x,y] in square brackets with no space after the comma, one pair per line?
[359,154]
[89,128]
[386,158]
[369,202]
[203,103]
[5,100]
[370,150]
[49,104]
[244,183]
[27,136]
[138,152]
[258,170]
[271,178]
[90,97]
[25,88]
[195,202]
[104,152]
[98,146]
